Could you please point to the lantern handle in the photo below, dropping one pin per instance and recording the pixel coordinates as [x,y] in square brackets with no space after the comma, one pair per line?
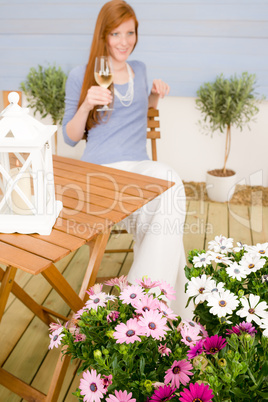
[13,97]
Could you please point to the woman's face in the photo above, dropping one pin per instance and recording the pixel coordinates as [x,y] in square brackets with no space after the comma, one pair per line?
[121,41]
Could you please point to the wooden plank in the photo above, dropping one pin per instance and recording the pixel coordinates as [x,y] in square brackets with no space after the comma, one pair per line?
[259,224]
[62,239]
[22,259]
[117,174]
[195,226]
[217,221]
[239,224]
[35,246]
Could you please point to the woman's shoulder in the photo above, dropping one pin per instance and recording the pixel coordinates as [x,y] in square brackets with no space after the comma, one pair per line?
[137,65]
[76,77]
[77,72]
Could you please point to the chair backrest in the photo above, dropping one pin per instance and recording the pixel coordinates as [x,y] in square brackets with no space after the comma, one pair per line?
[152,130]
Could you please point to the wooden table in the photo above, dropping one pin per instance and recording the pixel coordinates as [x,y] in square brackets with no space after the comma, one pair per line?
[94,199]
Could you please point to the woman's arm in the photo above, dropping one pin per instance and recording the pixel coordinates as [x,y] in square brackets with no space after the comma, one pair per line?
[159,90]
[95,96]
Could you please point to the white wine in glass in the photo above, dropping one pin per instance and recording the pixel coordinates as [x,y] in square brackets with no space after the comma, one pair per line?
[103,75]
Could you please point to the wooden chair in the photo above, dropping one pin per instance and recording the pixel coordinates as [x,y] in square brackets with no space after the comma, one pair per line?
[153,134]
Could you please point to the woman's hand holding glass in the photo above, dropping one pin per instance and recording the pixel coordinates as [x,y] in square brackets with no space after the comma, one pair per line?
[103,75]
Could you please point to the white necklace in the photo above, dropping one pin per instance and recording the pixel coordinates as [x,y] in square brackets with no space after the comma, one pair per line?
[127,99]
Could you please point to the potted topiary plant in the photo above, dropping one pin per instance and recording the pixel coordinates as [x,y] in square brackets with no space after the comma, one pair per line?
[45,91]
[225,103]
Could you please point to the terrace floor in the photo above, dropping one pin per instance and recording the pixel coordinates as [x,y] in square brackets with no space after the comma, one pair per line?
[24,338]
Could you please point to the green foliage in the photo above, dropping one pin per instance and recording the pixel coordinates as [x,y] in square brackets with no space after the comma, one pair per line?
[45,91]
[227,102]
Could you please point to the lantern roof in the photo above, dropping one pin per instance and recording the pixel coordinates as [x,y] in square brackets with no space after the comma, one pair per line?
[18,129]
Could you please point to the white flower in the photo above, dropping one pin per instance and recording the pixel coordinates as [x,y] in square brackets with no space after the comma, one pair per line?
[240,246]
[261,249]
[236,271]
[222,303]
[198,287]
[202,260]
[252,262]
[221,244]
[212,287]
[264,325]
[221,258]
[252,309]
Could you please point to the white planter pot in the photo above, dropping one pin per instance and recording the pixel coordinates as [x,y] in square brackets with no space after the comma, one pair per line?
[220,189]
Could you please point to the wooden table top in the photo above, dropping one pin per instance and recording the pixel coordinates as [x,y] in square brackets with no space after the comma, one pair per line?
[94,199]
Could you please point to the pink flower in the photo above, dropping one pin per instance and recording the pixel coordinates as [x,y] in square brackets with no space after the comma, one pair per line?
[167,290]
[56,337]
[53,326]
[214,344]
[190,335]
[97,288]
[166,311]
[154,324]
[195,350]
[80,337]
[128,332]
[121,282]
[164,350]
[197,392]
[165,393]
[146,303]
[131,294]
[121,396]
[107,380]
[96,300]
[91,386]
[147,283]
[178,373]
[112,316]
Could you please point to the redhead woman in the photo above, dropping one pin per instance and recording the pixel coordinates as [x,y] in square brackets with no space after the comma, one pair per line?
[118,140]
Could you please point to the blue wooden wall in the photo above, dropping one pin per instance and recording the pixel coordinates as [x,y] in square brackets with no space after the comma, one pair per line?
[185,42]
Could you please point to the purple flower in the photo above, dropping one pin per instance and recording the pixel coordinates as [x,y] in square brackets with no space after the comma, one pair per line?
[112,316]
[195,350]
[164,393]
[214,344]
[197,392]
[246,327]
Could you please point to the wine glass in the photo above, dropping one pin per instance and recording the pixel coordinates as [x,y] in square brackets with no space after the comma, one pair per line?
[103,75]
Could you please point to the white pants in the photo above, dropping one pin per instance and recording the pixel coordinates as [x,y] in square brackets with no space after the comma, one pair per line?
[157,228]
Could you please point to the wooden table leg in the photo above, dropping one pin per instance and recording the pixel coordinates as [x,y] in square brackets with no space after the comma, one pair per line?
[97,248]
[20,388]
[62,287]
[41,312]
[6,286]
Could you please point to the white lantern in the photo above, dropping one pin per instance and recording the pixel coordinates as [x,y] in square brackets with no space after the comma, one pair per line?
[27,193]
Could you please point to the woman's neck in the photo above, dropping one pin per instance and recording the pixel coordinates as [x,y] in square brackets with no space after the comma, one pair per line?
[120,73]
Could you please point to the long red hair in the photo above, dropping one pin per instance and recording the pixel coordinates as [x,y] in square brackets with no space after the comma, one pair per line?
[112,14]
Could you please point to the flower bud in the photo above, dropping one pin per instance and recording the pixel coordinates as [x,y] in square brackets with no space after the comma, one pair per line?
[240,293]
[222,362]
[110,333]
[148,385]
[105,352]
[209,369]
[123,349]
[227,377]
[97,354]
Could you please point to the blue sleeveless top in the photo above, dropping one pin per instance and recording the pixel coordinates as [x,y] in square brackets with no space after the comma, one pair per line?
[123,136]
